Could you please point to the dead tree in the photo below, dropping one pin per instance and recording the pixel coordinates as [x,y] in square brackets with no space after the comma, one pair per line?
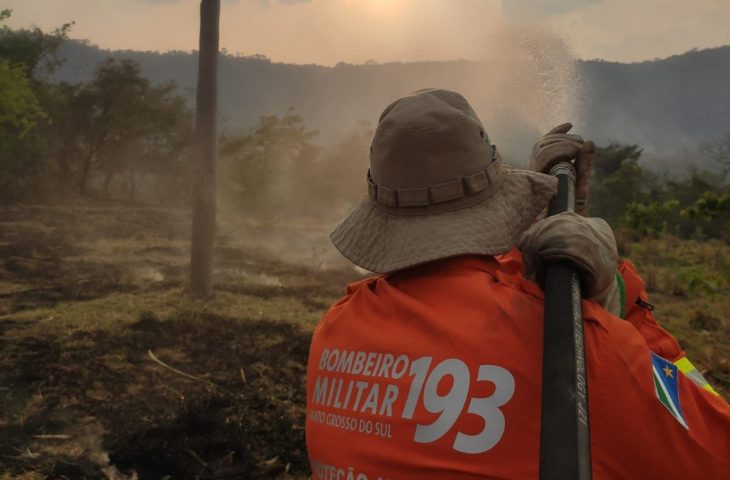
[205,152]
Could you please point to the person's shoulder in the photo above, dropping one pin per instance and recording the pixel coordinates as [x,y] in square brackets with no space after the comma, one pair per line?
[607,321]
[352,289]
[358,284]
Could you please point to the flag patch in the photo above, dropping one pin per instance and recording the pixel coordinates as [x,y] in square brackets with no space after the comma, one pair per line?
[666,386]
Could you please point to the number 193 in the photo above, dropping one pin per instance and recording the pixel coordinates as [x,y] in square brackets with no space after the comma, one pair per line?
[451,404]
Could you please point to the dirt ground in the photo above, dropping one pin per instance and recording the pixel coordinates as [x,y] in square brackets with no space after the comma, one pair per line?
[108,370]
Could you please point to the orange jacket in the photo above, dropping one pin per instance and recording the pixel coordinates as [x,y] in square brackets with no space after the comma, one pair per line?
[636,309]
[635,305]
[435,373]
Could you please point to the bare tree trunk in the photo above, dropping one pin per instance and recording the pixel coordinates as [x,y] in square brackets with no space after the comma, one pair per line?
[205,152]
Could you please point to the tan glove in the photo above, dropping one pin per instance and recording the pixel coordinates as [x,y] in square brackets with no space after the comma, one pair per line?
[587,243]
[559,146]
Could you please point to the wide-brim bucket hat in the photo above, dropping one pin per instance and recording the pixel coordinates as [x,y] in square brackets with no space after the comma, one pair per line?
[437,188]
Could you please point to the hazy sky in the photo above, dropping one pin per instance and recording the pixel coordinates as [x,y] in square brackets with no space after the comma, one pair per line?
[328,31]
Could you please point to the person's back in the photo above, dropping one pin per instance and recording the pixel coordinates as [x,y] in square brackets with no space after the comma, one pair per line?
[460,385]
[435,373]
[433,370]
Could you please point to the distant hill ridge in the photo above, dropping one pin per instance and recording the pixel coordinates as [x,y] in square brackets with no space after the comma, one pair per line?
[669,106]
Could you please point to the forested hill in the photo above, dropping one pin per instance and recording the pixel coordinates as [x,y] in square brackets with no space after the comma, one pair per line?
[665,105]
[670,106]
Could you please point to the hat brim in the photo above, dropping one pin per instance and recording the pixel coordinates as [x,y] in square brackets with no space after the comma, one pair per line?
[384,242]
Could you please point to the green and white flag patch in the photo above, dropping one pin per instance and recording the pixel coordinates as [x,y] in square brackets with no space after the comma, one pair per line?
[666,385]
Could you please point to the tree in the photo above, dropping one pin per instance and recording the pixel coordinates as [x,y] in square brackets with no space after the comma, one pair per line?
[119,123]
[137,125]
[617,181]
[32,48]
[627,195]
[649,219]
[272,163]
[20,111]
[710,215]
[56,134]
[205,152]
[23,103]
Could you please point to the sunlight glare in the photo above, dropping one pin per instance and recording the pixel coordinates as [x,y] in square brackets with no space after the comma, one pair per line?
[382,7]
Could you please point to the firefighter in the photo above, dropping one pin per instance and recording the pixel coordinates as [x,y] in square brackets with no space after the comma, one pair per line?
[432,369]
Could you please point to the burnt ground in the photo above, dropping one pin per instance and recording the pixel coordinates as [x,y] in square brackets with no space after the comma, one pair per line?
[109,370]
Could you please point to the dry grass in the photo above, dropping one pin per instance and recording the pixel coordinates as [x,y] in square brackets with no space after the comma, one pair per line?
[87,293]
[689,284]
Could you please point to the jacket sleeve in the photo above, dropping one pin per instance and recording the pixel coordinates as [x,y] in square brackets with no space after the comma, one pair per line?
[638,430]
[639,312]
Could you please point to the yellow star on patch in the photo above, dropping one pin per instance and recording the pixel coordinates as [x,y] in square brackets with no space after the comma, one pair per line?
[668,372]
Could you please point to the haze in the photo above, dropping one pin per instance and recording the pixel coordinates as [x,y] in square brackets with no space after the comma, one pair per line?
[355,31]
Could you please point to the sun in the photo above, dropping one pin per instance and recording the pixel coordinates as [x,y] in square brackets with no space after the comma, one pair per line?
[382,7]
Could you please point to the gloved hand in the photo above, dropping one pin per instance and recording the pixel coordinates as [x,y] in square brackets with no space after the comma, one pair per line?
[587,243]
[559,146]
